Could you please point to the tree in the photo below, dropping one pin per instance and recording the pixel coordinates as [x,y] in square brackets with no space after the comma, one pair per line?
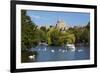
[82,34]
[86,34]
[59,38]
[43,28]
[53,36]
[27,33]
[67,38]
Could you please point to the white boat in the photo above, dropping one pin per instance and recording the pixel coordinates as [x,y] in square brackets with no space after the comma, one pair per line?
[43,44]
[71,46]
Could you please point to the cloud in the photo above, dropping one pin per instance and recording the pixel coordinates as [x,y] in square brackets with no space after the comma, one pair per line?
[36,17]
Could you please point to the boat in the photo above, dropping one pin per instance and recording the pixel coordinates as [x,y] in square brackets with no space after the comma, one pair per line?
[71,47]
[45,44]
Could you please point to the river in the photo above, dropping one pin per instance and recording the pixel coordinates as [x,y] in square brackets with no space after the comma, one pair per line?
[57,53]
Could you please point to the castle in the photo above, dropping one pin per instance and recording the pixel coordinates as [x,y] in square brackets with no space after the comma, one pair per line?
[61,25]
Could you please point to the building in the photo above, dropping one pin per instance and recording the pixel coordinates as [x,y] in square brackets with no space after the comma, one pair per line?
[61,25]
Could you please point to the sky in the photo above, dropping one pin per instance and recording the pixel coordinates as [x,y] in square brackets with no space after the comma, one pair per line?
[43,18]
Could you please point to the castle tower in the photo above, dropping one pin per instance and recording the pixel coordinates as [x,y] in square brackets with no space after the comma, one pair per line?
[61,25]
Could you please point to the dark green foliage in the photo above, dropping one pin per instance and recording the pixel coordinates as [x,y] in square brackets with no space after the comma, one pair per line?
[82,34]
[27,31]
[85,37]
[43,28]
[30,35]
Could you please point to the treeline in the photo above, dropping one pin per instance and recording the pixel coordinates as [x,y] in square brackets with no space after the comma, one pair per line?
[31,34]
[82,34]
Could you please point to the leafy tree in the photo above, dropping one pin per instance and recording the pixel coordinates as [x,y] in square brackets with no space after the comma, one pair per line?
[66,38]
[27,33]
[57,37]
[86,34]
[53,36]
[43,28]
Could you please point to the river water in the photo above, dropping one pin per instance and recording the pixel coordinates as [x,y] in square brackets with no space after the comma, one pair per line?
[57,53]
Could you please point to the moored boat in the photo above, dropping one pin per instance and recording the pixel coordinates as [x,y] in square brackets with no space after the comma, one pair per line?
[71,47]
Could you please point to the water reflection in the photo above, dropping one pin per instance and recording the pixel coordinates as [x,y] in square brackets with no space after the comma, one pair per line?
[52,53]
